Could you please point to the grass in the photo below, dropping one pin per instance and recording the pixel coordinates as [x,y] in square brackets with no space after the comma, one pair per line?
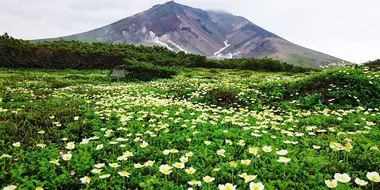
[219,120]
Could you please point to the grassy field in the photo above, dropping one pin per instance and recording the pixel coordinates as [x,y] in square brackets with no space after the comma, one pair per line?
[203,129]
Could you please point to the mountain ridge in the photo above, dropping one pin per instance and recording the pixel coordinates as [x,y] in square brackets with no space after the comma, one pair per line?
[216,34]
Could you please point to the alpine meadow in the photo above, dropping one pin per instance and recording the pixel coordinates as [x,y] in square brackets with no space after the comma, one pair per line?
[183,99]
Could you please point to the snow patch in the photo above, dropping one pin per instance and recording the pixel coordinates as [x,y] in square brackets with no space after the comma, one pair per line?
[223,48]
[177,46]
[125,33]
[154,38]
[144,30]
[225,56]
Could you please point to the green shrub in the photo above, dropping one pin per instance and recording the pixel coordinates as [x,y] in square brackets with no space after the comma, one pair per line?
[222,96]
[146,71]
[373,65]
[17,53]
[345,88]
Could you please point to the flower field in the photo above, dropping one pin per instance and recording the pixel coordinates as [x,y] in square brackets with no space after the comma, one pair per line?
[202,129]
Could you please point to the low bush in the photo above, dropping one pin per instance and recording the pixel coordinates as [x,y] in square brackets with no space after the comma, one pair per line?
[17,53]
[373,65]
[145,71]
[221,96]
[350,87]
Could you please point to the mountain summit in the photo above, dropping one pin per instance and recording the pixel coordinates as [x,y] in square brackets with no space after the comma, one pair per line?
[211,33]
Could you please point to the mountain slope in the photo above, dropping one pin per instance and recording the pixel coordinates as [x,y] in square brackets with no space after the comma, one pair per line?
[211,33]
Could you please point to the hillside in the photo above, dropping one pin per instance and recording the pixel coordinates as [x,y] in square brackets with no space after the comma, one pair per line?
[213,34]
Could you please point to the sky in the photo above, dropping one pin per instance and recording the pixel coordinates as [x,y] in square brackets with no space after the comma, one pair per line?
[348,29]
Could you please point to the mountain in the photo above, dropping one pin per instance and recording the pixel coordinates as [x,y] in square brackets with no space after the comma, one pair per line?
[215,34]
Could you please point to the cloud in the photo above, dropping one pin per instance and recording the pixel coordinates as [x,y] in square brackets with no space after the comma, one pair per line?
[344,28]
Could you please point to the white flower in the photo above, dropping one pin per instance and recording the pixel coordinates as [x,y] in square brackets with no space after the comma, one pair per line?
[373,176]
[144,144]
[254,150]
[189,154]
[184,159]
[56,162]
[99,165]
[208,179]
[114,165]
[243,175]
[128,154]
[70,146]
[267,149]
[99,147]
[138,165]
[96,171]
[256,186]
[249,178]
[5,156]
[179,165]
[283,160]
[149,163]
[85,179]
[105,176]
[374,148]
[227,186]
[166,152]
[122,157]
[245,162]
[343,178]
[191,170]
[316,147]
[17,144]
[10,187]
[361,182]
[331,183]
[194,182]
[174,151]
[165,169]
[85,141]
[282,152]
[41,145]
[221,152]
[67,157]
[241,143]
[124,173]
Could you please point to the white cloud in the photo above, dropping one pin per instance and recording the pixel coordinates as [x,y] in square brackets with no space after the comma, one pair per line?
[347,29]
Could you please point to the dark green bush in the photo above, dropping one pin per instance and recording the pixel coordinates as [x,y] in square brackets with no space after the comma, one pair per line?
[222,96]
[79,55]
[333,88]
[61,54]
[145,71]
[373,65]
